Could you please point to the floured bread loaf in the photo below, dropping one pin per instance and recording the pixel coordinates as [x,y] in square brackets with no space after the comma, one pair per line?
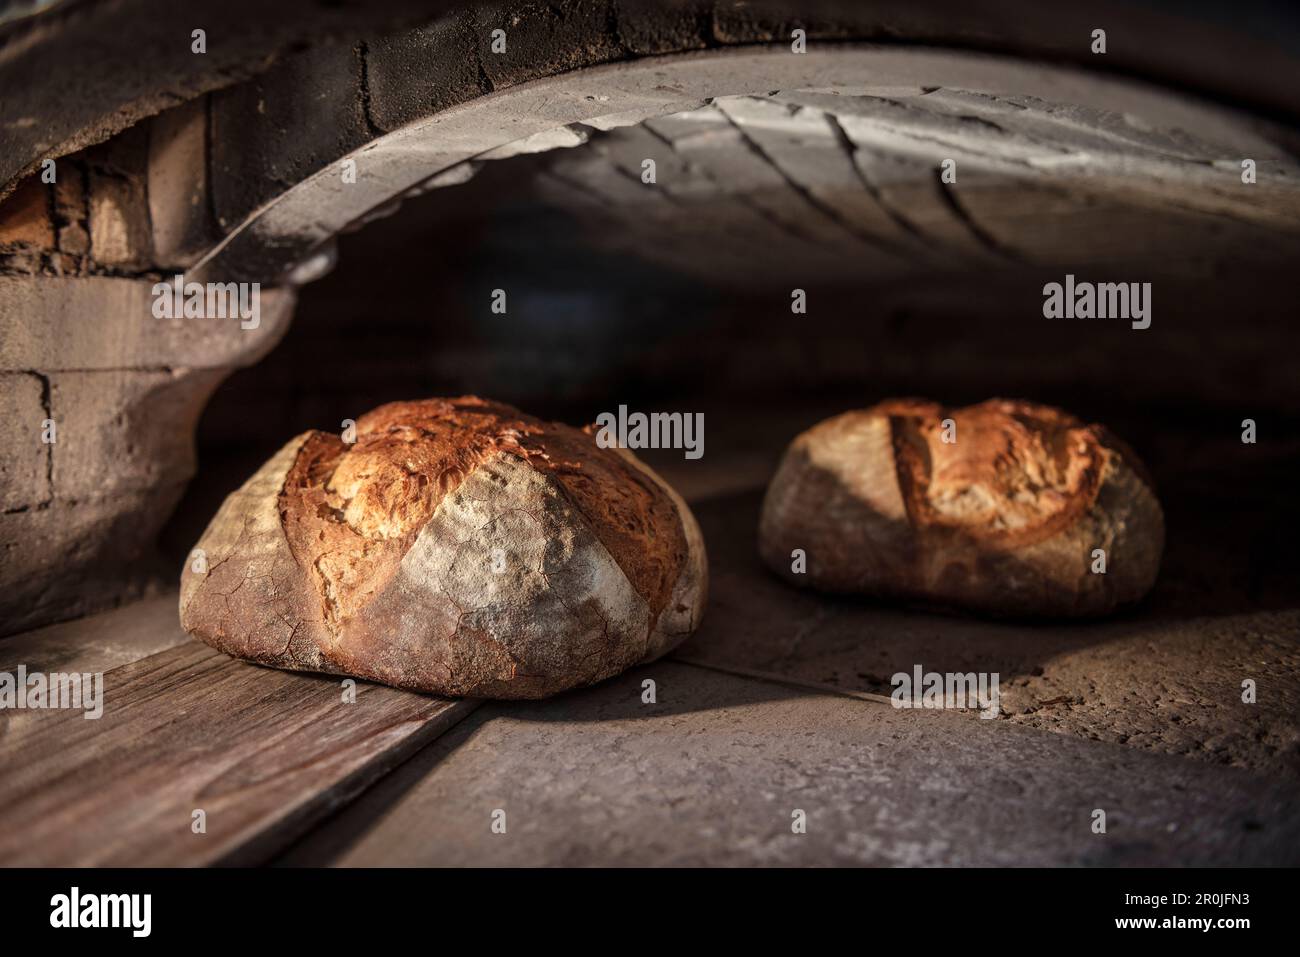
[458,547]
[1004,519]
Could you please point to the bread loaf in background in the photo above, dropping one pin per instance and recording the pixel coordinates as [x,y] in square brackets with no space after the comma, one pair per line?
[458,547]
[1002,520]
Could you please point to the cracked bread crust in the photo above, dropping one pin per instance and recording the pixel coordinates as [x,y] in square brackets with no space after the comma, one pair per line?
[458,547]
[1003,520]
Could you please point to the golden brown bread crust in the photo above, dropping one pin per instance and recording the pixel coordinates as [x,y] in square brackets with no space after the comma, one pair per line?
[1002,520]
[351,512]
[458,546]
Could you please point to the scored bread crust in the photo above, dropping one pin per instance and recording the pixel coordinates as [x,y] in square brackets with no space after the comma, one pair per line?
[1003,519]
[458,547]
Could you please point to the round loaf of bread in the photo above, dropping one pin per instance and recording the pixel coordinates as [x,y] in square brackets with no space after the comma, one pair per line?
[458,547]
[1006,508]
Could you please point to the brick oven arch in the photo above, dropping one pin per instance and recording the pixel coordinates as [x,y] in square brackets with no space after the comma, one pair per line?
[245,182]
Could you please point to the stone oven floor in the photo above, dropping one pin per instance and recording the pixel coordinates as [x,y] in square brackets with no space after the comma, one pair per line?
[776,705]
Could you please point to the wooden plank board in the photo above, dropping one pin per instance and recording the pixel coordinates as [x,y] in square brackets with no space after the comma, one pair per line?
[264,753]
[98,642]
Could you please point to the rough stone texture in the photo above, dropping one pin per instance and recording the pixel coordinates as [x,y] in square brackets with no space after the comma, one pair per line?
[543,39]
[292,131]
[121,459]
[64,323]
[126,430]
[878,165]
[401,87]
[71,213]
[115,88]
[711,773]
[82,515]
[73,557]
[24,464]
[26,220]
[818,185]
[119,229]
[459,547]
[179,207]
[44,228]
[811,152]
[116,196]
[134,59]
[646,29]
[274,131]
[1002,515]
[1166,679]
